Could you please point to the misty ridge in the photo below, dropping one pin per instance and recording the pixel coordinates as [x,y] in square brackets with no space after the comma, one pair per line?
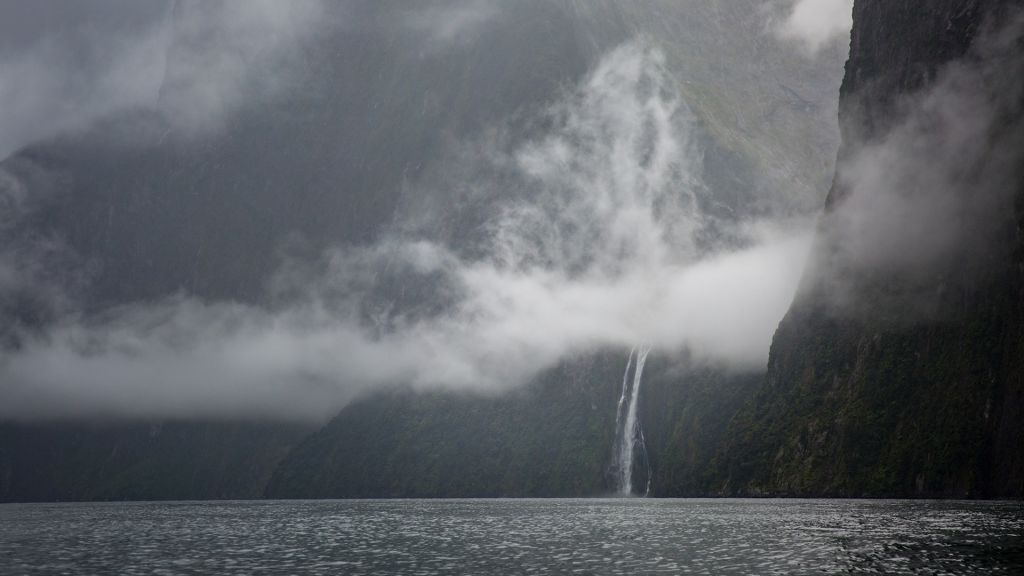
[582,218]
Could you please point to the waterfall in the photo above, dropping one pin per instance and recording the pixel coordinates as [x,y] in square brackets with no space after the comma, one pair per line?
[630,436]
[622,398]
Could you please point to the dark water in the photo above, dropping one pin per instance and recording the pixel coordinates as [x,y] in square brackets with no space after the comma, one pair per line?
[514,537]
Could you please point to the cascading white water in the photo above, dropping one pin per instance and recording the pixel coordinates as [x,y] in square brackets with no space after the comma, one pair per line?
[622,400]
[627,423]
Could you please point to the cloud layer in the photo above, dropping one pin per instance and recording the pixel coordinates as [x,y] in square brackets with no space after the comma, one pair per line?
[75,73]
[924,210]
[816,23]
[594,236]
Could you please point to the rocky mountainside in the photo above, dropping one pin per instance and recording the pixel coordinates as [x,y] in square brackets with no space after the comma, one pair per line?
[901,374]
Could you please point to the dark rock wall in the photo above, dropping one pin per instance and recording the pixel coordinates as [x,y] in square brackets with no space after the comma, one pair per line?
[866,403]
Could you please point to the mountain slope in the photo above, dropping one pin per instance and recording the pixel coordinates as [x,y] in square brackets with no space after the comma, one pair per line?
[172,461]
[550,439]
[553,438]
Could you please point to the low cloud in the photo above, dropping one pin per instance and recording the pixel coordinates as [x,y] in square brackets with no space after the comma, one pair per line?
[226,53]
[816,23]
[229,52]
[185,358]
[927,204]
[49,88]
[594,235]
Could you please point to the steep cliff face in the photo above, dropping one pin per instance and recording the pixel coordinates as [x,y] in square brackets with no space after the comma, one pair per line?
[911,383]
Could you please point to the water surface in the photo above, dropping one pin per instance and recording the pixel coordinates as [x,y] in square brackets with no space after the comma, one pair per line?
[625,536]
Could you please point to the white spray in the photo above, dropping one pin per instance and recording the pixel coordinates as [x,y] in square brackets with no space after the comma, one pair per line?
[630,434]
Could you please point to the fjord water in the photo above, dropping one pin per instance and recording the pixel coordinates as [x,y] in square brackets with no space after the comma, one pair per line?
[614,536]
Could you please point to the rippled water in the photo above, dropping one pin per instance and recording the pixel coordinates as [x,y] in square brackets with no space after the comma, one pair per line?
[514,537]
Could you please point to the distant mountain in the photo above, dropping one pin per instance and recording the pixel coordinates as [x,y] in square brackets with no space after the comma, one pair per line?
[347,145]
[167,461]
